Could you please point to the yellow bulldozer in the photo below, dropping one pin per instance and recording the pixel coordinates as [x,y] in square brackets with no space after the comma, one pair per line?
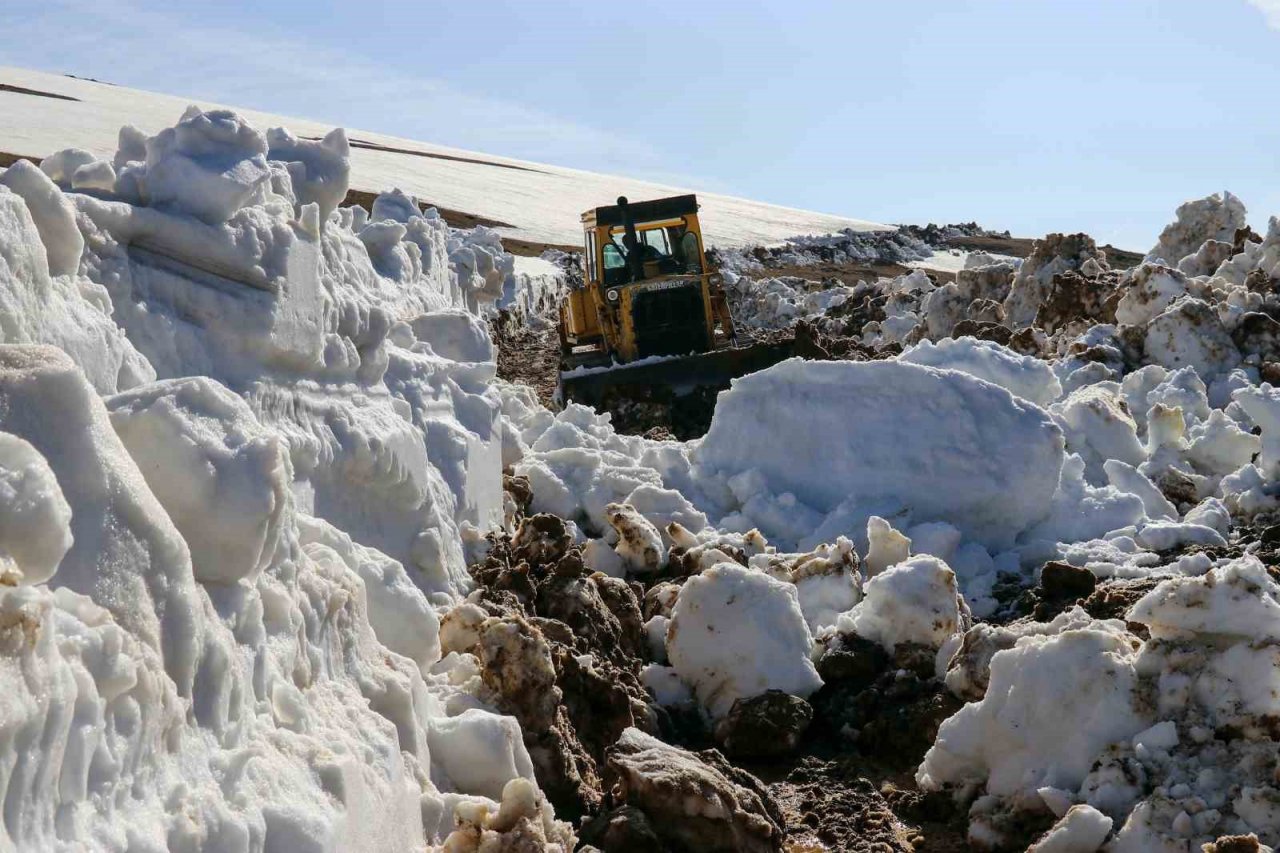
[651,312]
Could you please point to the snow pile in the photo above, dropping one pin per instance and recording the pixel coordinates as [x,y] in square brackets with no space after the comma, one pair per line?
[1169,737]
[242,431]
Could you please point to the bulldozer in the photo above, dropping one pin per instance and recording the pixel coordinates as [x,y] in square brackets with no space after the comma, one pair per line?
[651,315]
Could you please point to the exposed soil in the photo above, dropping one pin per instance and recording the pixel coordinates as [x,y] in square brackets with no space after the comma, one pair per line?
[22,90]
[848,784]
[375,146]
[527,355]
[1020,247]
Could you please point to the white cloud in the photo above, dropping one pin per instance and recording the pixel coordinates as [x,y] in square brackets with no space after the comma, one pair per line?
[1270,9]
[149,45]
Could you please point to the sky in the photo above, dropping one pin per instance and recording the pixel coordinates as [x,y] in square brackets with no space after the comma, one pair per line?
[1027,115]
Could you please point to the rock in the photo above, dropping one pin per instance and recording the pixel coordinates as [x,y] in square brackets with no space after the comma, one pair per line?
[1074,302]
[625,829]
[764,726]
[541,538]
[1234,844]
[695,801]
[853,660]
[983,331]
[1062,580]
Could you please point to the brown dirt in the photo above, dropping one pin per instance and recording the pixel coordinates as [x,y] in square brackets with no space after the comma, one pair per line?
[844,802]
[433,155]
[22,90]
[848,274]
[528,356]
[1020,247]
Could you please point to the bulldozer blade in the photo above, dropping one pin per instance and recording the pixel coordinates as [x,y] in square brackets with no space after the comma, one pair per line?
[670,377]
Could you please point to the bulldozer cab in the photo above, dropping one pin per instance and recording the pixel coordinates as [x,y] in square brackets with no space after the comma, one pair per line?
[648,290]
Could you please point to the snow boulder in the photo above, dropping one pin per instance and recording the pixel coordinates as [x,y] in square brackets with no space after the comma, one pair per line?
[736,633]
[222,477]
[35,521]
[1052,705]
[54,216]
[879,437]
[913,602]
[209,165]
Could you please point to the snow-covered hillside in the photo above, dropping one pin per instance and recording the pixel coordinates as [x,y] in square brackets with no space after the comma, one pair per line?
[536,202]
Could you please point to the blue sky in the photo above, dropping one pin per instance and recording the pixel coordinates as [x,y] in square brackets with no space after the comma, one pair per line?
[1031,115]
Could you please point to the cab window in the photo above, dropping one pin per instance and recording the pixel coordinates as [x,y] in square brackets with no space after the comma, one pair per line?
[656,239]
[691,253]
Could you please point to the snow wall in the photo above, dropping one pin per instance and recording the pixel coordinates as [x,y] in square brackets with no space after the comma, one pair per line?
[243,436]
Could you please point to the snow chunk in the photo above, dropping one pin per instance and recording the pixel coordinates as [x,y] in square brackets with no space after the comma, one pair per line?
[1149,290]
[877,435]
[54,216]
[1052,704]
[1098,428]
[912,602]
[35,521]
[1082,829]
[1021,375]
[209,165]
[479,752]
[1190,334]
[885,546]
[1216,217]
[319,170]
[222,477]
[127,555]
[1236,600]
[639,543]
[1262,404]
[736,633]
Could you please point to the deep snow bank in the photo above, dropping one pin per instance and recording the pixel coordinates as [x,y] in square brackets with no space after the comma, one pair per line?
[241,435]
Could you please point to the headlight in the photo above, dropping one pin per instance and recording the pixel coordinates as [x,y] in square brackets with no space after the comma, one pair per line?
[613,294]
[716,279]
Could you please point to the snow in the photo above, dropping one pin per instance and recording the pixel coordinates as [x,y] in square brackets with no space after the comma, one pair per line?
[940,444]
[1017,738]
[35,521]
[1082,829]
[1023,376]
[718,642]
[237,451]
[534,201]
[249,440]
[52,213]
[915,601]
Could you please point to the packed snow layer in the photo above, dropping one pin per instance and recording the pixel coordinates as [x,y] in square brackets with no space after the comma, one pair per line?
[533,201]
[887,438]
[1021,375]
